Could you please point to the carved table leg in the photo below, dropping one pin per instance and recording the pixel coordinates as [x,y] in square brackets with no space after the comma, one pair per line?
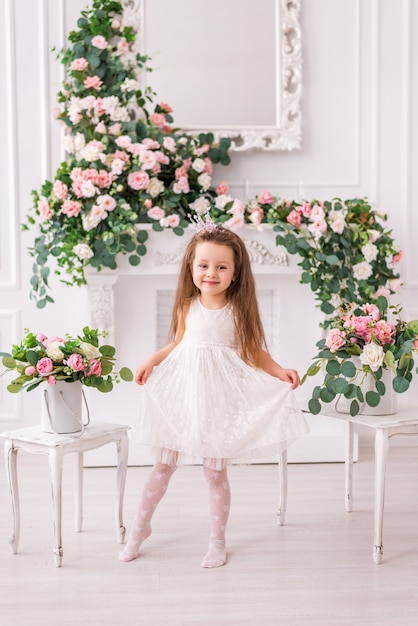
[55,470]
[349,448]
[79,492]
[381,455]
[282,466]
[10,455]
[122,447]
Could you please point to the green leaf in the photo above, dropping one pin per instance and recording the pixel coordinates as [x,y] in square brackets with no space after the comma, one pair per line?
[306,277]
[32,357]
[327,308]
[400,384]
[134,260]
[105,386]
[333,368]
[126,374]
[380,387]
[14,388]
[142,236]
[314,406]
[9,362]
[327,395]
[354,408]
[332,259]
[372,398]
[339,385]
[107,351]
[348,369]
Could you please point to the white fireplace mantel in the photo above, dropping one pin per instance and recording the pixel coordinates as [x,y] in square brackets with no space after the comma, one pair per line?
[164,253]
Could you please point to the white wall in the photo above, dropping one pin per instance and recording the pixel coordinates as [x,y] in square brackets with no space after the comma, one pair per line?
[360,138]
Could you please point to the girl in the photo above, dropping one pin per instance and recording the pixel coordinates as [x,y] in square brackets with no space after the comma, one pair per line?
[217,395]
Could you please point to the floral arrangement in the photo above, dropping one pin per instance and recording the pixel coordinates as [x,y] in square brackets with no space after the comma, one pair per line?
[39,359]
[346,253]
[125,165]
[360,343]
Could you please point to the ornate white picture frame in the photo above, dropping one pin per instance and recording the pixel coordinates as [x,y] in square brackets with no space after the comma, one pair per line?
[285,133]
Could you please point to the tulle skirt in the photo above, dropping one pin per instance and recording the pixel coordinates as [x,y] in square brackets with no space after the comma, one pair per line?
[205,403]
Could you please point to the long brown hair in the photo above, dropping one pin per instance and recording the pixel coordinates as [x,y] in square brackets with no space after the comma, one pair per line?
[241,293]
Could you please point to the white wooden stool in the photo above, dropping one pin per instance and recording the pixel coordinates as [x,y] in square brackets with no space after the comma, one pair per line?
[34,440]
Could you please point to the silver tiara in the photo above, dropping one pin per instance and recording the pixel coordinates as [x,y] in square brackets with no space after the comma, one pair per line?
[203,225]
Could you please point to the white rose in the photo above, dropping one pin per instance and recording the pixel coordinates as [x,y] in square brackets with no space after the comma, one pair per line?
[83,251]
[54,352]
[200,205]
[198,165]
[91,220]
[90,153]
[204,181]
[362,271]
[223,200]
[372,356]
[370,252]
[155,187]
[89,351]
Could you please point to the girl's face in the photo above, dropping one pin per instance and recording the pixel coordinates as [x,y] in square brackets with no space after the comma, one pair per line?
[213,271]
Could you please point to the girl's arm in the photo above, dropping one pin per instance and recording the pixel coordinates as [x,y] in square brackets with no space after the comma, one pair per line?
[144,371]
[270,366]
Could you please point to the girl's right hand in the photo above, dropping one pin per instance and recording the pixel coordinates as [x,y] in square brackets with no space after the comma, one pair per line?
[143,372]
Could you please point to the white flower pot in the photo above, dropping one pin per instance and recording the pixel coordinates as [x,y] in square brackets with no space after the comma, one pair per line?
[388,404]
[62,408]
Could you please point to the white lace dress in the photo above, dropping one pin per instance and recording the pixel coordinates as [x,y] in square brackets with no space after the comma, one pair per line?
[204,401]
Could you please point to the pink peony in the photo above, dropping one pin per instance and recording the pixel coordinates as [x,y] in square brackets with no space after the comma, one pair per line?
[79,65]
[52,380]
[41,337]
[294,218]
[44,210]
[335,339]
[138,180]
[158,119]
[222,189]
[60,190]
[156,213]
[99,42]
[44,366]
[75,362]
[94,368]
[372,310]
[71,208]
[93,82]
[30,370]
[383,332]
[265,198]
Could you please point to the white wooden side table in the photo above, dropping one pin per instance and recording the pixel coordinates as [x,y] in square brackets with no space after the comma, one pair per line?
[34,440]
[404,422]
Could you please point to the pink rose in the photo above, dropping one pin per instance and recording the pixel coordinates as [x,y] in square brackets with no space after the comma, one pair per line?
[306,209]
[180,172]
[104,179]
[384,332]
[182,185]
[41,337]
[71,208]
[171,220]
[92,82]
[335,339]
[52,380]
[382,291]
[397,257]
[94,368]
[156,213]
[30,370]
[208,166]
[79,65]
[256,216]
[222,189]
[158,119]
[44,209]
[265,198]
[138,180]
[148,204]
[60,190]
[169,144]
[44,366]
[75,362]
[294,218]
[165,107]
[99,42]
[395,284]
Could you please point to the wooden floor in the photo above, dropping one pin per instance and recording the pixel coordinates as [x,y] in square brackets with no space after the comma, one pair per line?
[316,570]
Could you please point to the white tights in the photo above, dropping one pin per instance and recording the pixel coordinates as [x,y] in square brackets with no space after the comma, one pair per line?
[155,488]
